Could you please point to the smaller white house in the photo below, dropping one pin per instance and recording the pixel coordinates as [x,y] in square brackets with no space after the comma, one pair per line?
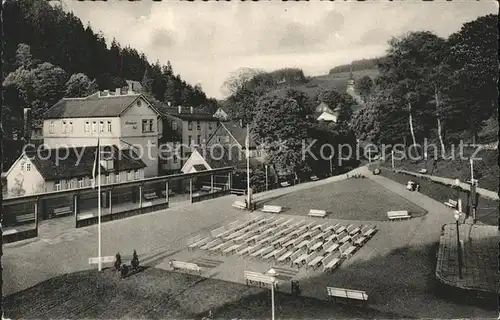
[324,113]
[46,170]
[195,163]
[221,114]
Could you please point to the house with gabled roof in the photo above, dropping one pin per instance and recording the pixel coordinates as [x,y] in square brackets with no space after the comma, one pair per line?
[43,170]
[222,114]
[324,113]
[183,129]
[226,147]
[126,120]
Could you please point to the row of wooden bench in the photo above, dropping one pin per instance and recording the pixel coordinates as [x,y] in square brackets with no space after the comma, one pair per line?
[277,209]
[300,244]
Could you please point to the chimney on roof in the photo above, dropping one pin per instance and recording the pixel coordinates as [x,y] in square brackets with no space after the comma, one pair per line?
[191,109]
[179,109]
[118,91]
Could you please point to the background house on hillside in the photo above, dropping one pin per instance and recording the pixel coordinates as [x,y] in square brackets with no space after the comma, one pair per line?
[324,113]
[222,114]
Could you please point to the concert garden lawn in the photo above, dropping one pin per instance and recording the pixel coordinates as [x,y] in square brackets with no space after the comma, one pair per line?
[352,199]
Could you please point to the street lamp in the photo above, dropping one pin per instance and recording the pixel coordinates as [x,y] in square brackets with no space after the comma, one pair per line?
[266,178]
[272,273]
[457,217]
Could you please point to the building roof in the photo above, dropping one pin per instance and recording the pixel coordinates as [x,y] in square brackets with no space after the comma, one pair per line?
[239,133]
[200,167]
[92,106]
[186,114]
[53,164]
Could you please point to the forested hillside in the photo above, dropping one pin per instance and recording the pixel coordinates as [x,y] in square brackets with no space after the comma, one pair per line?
[49,54]
[357,65]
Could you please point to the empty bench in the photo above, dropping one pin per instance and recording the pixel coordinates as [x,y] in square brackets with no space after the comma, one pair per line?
[314,178]
[422,171]
[271,209]
[62,210]
[398,215]
[170,193]
[346,293]
[317,213]
[451,203]
[285,184]
[150,196]
[176,265]
[239,205]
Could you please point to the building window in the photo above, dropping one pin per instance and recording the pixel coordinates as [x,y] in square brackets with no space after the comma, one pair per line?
[80,183]
[174,125]
[101,126]
[198,126]
[94,126]
[57,185]
[210,126]
[136,174]
[190,125]
[109,126]
[198,139]
[175,158]
[189,140]
[70,127]
[147,125]
[71,184]
[28,167]
[87,126]
[130,175]
[108,179]
[64,127]
[117,177]
[51,127]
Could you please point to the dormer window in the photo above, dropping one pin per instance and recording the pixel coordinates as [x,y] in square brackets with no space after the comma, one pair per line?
[70,127]
[101,126]
[87,126]
[64,127]
[51,127]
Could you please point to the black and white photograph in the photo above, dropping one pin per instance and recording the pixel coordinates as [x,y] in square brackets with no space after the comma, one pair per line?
[249,159]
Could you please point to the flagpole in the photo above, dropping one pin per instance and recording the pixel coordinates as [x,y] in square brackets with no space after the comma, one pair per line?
[99,198]
[248,167]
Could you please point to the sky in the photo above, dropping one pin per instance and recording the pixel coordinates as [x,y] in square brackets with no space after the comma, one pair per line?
[207,41]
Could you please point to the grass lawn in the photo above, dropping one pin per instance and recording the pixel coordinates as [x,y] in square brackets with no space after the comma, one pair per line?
[160,294]
[487,210]
[353,199]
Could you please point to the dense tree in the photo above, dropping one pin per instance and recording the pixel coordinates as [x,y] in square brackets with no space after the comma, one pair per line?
[364,87]
[282,125]
[474,51]
[79,85]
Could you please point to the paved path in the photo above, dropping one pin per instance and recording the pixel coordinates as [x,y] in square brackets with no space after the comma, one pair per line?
[486,193]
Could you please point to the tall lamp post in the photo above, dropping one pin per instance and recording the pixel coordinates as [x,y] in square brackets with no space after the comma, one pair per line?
[272,273]
[266,179]
[459,249]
